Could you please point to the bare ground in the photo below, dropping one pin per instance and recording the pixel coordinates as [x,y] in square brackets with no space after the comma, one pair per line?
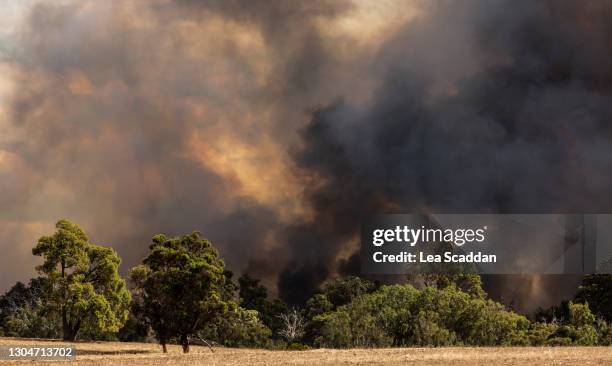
[113,353]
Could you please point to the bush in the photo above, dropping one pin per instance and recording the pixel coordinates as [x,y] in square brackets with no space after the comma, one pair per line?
[604,333]
[297,347]
[427,330]
[581,328]
[585,335]
[580,315]
[239,328]
[540,333]
[401,315]
[487,323]
[351,325]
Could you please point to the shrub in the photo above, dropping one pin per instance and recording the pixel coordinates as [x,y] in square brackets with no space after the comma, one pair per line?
[297,347]
[401,315]
[604,332]
[239,328]
[540,333]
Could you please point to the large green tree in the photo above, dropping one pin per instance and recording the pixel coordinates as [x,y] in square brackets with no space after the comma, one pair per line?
[84,287]
[182,284]
[596,290]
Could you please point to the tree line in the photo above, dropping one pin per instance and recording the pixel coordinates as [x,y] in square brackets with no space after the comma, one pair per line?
[182,293]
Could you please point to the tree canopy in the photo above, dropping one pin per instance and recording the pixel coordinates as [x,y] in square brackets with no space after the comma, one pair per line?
[183,284]
[83,283]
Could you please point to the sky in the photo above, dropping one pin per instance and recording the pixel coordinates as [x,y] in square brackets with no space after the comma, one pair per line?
[132,118]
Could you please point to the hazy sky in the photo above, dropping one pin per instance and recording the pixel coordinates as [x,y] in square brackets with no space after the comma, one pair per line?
[143,116]
[275,127]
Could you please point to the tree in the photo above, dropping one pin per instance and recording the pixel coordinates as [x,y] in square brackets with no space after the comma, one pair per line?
[183,285]
[596,290]
[84,287]
[293,326]
[317,305]
[22,313]
[135,328]
[341,291]
[254,296]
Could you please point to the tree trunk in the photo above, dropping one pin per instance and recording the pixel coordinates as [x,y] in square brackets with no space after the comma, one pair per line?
[65,327]
[69,334]
[162,341]
[185,343]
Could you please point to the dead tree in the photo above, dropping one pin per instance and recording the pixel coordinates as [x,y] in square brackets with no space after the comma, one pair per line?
[293,326]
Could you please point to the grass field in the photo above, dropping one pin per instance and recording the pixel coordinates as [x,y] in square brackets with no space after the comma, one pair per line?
[110,353]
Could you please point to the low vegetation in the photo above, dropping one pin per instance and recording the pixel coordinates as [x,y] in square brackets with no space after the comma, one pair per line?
[182,294]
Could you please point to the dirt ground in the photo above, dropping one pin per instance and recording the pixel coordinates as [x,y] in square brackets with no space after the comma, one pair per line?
[128,354]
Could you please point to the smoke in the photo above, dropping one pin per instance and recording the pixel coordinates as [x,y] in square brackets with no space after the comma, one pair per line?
[522,128]
[276,127]
[133,118]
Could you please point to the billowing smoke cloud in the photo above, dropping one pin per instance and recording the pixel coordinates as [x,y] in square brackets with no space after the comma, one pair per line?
[523,127]
[133,118]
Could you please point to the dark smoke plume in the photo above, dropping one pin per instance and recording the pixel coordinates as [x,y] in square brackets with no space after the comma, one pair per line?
[133,118]
[526,131]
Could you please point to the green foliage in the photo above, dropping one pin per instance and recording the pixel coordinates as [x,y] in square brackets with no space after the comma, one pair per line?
[404,316]
[585,335]
[135,328]
[351,326]
[579,327]
[427,330]
[254,296]
[467,282]
[183,290]
[582,322]
[541,333]
[298,347]
[364,322]
[29,322]
[335,292]
[580,315]
[183,287]
[83,285]
[485,322]
[22,313]
[317,305]
[238,328]
[442,316]
[604,333]
[341,291]
[596,290]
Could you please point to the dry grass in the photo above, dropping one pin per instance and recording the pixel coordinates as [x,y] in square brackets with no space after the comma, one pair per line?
[129,354]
